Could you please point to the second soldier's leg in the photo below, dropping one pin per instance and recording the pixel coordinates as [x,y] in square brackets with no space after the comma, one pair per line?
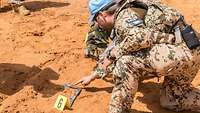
[127,72]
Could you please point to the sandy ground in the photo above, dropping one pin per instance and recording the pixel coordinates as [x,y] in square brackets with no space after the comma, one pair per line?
[42,51]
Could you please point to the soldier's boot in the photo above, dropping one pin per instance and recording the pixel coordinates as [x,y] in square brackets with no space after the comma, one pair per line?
[22,10]
[192,100]
[17,2]
[18,7]
[126,83]
[179,97]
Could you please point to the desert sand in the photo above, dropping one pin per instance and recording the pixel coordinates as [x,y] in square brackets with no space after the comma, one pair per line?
[42,51]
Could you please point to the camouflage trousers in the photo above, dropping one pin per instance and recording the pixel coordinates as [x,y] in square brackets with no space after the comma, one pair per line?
[177,64]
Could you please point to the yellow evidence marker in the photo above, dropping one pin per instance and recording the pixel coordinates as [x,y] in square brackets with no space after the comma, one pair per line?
[61,102]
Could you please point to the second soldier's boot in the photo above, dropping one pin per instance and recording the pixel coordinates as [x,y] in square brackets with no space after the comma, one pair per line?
[18,7]
[16,2]
[22,10]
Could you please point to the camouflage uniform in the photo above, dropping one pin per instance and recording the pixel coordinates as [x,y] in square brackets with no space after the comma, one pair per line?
[149,50]
[97,40]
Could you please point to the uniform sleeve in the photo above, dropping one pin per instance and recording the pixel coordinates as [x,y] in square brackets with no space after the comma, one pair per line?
[97,36]
[134,38]
[96,41]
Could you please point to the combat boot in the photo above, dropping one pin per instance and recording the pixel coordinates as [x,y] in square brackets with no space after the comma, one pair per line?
[17,2]
[18,7]
[22,10]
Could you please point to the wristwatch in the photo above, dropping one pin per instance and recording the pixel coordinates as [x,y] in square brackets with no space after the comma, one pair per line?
[100,72]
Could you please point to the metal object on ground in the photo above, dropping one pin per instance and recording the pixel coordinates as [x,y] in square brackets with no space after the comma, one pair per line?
[77,91]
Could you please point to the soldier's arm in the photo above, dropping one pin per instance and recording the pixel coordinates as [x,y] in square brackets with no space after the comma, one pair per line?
[96,41]
[139,38]
[135,38]
[97,36]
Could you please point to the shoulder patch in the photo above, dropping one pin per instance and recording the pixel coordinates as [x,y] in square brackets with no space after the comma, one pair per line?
[134,22]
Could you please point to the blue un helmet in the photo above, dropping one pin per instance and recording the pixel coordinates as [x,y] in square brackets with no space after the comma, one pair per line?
[96,6]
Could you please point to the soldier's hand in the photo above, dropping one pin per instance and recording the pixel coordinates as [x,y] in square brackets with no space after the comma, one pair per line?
[86,80]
